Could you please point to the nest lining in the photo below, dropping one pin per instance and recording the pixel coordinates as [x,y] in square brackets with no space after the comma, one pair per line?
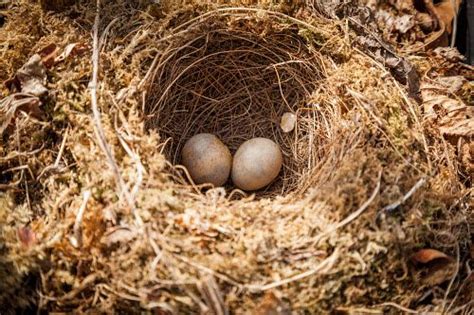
[235,79]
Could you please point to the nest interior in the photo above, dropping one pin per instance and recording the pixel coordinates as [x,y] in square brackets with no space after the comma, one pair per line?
[236,79]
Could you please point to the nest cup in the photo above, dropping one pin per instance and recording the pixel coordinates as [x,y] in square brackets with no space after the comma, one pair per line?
[234,74]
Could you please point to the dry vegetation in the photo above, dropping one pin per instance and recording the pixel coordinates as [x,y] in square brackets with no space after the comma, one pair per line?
[373,211]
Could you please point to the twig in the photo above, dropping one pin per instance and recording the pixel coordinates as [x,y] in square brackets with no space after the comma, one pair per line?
[27,190]
[399,307]
[321,268]
[99,130]
[451,282]
[76,237]
[15,154]
[455,23]
[55,166]
[395,205]
[61,149]
[381,42]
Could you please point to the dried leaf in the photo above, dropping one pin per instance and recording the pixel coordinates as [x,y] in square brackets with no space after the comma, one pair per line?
[425,21]
[450,54]
[403,5]
[446,11]
[404,23]
[401,24]
[452,84]
[48,55]
[71,50]
[288,122]
[427,255]
[406,73]
[402,70]
[31,78]
[453,117]
[11,104]
[26,236]
[460,128]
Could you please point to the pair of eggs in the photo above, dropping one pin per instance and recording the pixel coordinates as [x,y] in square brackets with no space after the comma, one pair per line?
[256,163]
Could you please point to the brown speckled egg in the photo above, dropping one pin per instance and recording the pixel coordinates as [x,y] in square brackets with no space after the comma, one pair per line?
[256,164]
[207,159]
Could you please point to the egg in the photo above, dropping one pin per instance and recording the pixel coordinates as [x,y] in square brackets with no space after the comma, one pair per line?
[256,164]
[207,159]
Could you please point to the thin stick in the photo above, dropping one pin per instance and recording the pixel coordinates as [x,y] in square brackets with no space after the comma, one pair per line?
[76,237]
[451,282]
[402,200]
[321,268]
[455,23]
[99,130]
[61,149]
[399,307]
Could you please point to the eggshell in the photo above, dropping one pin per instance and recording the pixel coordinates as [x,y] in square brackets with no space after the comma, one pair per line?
[207,159]
[256,164]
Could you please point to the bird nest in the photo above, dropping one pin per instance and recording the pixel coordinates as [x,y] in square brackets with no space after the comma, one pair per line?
[235,74]
[95,219]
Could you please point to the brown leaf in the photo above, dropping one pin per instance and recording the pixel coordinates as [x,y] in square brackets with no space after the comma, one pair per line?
[71,50]
[453,83]
[445,12]
[427,255]
[450,54]
[10,105]
[272,305]
[425,21]
[26,236]
[453,117]
[403,5]
[48,55]
[31,78]
[288,122]
[460,128]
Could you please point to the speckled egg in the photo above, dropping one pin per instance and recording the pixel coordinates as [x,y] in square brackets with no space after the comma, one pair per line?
[207,159]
